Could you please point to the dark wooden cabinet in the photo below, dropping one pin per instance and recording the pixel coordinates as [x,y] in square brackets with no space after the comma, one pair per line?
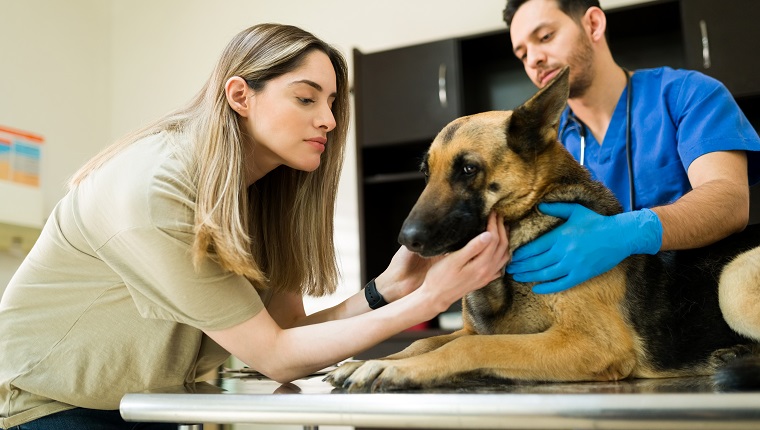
[647,35]
[721,39]
[405,96]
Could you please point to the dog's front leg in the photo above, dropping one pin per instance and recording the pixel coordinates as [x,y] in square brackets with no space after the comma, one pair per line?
[339,376]
[554,355]
[428,344]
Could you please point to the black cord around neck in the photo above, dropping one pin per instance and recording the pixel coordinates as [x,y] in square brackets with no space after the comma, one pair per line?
[629,158]
[628,140]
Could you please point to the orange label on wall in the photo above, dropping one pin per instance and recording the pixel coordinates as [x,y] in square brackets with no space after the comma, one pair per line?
[20,156]
[5,159]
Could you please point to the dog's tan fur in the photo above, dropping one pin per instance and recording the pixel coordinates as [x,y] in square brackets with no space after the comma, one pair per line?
[581,334]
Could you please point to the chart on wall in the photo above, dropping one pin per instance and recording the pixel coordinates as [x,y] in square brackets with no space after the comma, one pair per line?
[20,156]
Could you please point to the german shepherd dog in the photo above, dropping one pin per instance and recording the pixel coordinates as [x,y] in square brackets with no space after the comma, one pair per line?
[673,314]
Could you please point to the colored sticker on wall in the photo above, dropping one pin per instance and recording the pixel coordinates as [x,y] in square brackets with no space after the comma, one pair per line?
[5,159]
[20,156]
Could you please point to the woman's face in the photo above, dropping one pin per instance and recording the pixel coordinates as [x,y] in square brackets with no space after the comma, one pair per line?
[289,118]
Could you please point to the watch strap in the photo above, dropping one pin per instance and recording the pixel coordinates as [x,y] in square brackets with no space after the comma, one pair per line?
[374,298]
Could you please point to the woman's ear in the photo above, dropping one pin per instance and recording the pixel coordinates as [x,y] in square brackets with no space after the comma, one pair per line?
[237,92]
[596,23]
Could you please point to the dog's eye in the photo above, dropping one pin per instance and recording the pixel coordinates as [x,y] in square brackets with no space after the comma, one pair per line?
[470,169]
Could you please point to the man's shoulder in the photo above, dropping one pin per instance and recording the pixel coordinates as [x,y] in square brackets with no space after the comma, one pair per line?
[677,88]
[668,77]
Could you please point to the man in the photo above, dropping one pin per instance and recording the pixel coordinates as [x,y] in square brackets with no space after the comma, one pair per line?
[692,152]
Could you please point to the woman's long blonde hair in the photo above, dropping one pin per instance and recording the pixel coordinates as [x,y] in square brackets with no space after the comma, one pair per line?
[279,231]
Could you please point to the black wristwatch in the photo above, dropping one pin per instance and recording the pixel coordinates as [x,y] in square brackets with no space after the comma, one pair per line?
[374,298]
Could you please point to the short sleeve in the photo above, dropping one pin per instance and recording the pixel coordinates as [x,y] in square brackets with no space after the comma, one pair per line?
[138,217]
[708,120]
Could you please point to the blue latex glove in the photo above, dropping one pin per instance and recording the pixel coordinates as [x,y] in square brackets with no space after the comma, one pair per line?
[586,245]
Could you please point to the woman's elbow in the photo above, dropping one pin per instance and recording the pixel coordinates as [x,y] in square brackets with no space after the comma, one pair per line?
[281,374]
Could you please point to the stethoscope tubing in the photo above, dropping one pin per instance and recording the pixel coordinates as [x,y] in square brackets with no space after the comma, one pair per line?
[629,159]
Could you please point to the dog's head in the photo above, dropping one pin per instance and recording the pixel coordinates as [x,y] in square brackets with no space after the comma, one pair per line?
[502,160]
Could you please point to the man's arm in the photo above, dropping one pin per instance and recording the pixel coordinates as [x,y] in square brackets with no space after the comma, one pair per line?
[717,206]
[581,248]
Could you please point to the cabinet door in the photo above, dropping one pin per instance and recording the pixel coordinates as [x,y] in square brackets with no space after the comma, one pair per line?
[406,94]
[722,40]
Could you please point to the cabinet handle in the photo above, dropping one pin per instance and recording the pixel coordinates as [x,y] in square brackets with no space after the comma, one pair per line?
[705,44]
[442,96]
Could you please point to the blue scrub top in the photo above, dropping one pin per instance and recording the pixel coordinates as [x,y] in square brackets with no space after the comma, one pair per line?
[677,116]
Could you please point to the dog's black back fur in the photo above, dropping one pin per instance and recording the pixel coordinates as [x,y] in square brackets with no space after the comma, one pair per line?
[673,303]
[672,297]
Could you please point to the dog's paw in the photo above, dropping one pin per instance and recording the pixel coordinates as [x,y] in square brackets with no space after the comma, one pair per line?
[723,356]
[338,376]
[378,376]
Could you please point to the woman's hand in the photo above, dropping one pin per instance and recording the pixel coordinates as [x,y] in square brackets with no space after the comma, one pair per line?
[407,270]
[481,261]
[404,274]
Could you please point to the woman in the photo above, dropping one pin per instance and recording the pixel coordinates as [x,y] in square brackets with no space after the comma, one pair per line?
[197,236]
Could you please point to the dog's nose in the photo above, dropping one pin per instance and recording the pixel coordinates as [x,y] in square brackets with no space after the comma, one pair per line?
[413,236]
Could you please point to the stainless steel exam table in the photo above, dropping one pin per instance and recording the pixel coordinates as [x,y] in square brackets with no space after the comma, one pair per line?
[679,403]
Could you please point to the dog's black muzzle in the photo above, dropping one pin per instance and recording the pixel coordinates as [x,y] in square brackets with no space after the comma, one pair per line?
[433,235]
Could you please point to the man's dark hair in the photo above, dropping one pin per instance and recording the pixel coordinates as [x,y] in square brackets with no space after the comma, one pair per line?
[572,8]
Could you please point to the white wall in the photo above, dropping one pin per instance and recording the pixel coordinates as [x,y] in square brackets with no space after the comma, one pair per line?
[83,72]
[55,80]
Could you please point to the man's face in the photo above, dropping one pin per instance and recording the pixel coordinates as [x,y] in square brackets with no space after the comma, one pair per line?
[545,39]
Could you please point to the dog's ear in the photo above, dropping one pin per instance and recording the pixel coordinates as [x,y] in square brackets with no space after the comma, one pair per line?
[533,125]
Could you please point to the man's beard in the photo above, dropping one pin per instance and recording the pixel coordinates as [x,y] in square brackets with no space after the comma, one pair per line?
[580,61]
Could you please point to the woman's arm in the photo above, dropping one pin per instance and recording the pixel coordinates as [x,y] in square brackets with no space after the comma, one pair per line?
[287,354]
[405,274]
